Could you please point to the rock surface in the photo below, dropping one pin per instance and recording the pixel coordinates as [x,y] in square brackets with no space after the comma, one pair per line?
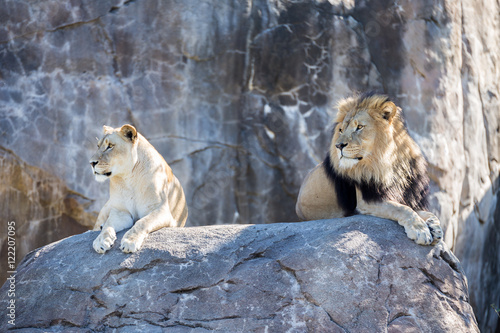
[236,96]
[358,274]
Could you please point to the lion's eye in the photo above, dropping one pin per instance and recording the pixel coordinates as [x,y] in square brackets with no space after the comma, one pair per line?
[340,130]
[109,147]
[359,127]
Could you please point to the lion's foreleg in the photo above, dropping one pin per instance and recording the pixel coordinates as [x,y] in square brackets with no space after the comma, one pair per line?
[117,221]
[415,227]
[157,219]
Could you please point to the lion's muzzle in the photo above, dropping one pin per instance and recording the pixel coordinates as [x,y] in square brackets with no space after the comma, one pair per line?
[341,145]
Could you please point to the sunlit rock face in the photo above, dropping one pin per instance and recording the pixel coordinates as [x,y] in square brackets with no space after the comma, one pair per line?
[41,206]
[237,96]
[358,274]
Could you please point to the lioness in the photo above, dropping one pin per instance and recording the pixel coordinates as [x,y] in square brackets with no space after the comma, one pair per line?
[142,189]
[373,167]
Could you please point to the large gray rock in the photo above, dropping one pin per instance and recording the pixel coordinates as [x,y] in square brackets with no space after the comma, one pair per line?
[358,274]
[236,96]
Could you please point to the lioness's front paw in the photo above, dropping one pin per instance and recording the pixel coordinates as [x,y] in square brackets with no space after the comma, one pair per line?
[132,241]
[105,240]
[435,229]
[419,232]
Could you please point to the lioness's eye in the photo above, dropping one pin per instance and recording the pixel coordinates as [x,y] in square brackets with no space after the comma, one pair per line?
[359,127]
[109,147]
[340,130]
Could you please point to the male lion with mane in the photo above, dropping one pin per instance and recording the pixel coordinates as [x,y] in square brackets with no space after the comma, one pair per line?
[142,189]
[373,167]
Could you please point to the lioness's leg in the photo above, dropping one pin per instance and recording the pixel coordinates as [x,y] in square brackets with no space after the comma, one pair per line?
[317,199]
[415,227]
[433,224]
[157,219]
[103,216]
[117,221]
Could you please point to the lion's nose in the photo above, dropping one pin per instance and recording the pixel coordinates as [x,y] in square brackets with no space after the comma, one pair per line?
[93,163]
[341,145]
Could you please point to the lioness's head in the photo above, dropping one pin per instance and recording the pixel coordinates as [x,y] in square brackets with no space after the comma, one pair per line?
[116,152]
[363,131]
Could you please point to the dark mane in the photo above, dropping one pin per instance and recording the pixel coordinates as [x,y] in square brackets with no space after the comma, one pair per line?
[371,93]
[414,195]
[345,188]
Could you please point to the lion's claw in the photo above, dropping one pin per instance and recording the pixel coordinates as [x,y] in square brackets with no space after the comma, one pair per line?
[419,232]
[435,229]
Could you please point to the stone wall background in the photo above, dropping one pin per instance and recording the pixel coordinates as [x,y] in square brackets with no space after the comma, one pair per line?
[237,96]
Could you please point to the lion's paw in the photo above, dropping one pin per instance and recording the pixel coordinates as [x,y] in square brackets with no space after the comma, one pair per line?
[435,228]
[105,240]
[132,241]
[419,232]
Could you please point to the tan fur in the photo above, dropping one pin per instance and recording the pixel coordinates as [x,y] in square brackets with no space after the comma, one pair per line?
[143,190]
[318,197]
[376,149]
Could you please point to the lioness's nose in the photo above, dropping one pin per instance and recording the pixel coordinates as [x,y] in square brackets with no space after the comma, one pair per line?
[340,145]
[93,163]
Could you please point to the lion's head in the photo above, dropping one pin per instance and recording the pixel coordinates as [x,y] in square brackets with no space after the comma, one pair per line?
[370,143]
[116,152]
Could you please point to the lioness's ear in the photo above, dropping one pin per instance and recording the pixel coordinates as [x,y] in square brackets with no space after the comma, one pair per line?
[129,132]
[107,129]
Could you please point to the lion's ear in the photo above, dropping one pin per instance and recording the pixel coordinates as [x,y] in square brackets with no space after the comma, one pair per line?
[107,129]
[129,132]
[387,111]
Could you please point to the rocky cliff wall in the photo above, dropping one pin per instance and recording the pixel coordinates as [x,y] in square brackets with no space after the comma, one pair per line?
[236,95]
[359,274]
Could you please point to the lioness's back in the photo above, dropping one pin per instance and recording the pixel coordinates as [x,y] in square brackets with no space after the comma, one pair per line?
[177,202]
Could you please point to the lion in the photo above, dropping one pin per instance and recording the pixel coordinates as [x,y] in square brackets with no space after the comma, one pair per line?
[373,167]
[144,193]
